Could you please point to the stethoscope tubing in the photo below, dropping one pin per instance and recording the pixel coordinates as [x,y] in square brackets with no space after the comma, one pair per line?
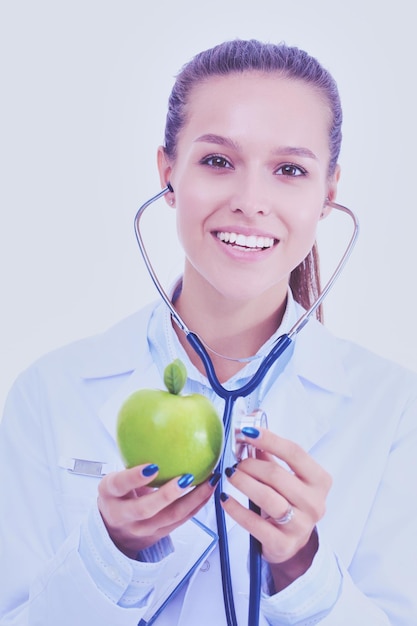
[255,548]
[230,397]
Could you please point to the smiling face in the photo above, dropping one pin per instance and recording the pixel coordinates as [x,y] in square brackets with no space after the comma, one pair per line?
[250,180]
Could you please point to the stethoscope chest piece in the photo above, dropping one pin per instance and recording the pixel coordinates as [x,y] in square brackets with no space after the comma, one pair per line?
[240,419]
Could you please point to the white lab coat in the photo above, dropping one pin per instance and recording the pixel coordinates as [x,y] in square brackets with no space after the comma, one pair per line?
[354,412]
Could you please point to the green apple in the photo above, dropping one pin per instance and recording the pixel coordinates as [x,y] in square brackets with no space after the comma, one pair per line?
[182,434]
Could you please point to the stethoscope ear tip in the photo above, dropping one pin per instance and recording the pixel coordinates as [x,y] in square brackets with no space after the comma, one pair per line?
[170,187]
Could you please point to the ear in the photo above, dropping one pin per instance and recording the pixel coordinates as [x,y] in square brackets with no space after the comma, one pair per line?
[165,169]
[331,192]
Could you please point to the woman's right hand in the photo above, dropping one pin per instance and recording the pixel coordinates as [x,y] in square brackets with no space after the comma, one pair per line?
[137,516]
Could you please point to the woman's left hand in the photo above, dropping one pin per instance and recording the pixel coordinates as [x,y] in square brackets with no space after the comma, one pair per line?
[297,491]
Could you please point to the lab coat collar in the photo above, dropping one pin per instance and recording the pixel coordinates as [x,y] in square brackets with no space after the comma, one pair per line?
[120,350]
[303,401]
[147,376]
[125,351]
[318,359]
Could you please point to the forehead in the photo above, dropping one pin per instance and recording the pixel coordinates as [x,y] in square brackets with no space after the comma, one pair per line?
[259,97]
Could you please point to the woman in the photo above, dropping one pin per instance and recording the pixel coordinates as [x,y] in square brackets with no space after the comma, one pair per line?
[251,148]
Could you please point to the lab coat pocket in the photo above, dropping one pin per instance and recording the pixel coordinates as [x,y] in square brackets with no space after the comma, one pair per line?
[76,507]
[77,494]
[78,482]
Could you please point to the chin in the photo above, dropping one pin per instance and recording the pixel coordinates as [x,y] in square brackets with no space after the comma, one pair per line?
[244,293]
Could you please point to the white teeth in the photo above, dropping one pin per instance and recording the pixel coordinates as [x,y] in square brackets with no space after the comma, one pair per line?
[251,241]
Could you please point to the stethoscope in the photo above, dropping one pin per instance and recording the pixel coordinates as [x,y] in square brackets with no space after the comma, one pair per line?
[230,397]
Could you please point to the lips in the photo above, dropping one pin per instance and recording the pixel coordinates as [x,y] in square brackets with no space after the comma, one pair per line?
[249,242]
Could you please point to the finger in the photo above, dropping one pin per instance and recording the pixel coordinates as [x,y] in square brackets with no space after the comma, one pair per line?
[265,456]
[248,519]
[279,543]
[262,481]
[183,509]
[270,497]
[174,501]
[121,484]
[168,523]
[274,475]
[297,459]
[188,502]
[150,504]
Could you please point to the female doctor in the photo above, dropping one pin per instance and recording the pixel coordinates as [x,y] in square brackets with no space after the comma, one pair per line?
[251,148]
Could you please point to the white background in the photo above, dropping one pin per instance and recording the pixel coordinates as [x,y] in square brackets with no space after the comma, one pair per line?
[84,86]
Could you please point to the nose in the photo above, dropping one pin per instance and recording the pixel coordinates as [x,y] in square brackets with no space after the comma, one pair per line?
[252,196]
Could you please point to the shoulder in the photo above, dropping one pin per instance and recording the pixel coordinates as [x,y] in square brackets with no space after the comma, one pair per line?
[117,350]
[361,366]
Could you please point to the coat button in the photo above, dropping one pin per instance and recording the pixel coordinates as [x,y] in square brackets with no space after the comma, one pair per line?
[205,567]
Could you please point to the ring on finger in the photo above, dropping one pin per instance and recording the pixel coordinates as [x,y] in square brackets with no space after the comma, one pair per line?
[287,517]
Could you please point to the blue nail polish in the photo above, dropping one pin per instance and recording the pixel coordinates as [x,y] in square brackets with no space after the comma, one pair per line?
[185,481]
[229,471]
[215,479]
[224,496]
[250,431]
[150,470]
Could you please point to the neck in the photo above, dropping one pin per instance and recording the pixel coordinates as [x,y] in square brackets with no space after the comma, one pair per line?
[229,328]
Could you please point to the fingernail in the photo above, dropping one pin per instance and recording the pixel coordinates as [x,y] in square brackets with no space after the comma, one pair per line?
[229,471]
[150,470]
[215,479]
[250,431]
[224,496]
[185,481]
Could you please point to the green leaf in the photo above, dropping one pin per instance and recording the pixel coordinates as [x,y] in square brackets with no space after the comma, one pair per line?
[175,376]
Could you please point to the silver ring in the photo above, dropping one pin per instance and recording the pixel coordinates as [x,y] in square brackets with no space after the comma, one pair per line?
[285,518]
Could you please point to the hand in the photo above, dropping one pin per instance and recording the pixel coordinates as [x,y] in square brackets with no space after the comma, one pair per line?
[302,486]
[137,516]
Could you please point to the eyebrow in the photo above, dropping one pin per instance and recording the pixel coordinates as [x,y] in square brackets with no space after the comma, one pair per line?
[280,151]
[295,151]
[219,140]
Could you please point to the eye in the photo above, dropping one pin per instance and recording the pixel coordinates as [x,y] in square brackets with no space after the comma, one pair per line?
[217,161]
[291,170]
